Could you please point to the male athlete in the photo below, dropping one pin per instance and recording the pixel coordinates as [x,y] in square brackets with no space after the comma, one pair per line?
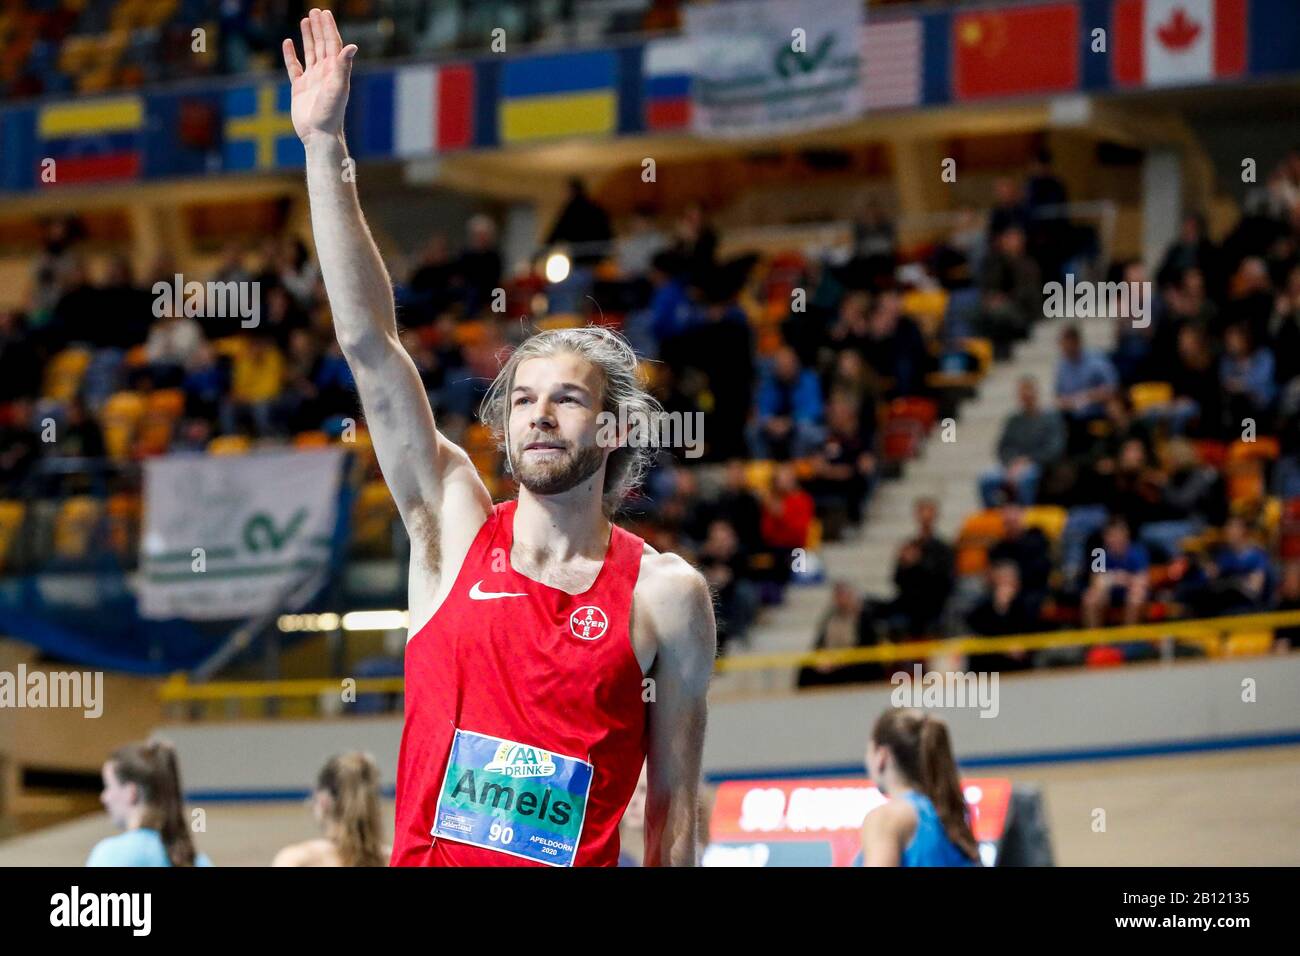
[550,652]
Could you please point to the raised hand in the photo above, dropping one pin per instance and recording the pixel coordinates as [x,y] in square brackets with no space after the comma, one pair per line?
[320,91]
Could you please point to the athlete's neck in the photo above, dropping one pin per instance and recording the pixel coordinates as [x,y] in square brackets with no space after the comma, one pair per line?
[560,527]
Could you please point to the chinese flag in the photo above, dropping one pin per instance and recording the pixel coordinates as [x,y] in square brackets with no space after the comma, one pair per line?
[1015,52]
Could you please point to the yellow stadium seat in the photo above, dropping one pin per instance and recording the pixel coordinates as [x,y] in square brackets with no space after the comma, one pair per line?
[120,418]
[74,527]
[316,439]
[166,403]
[1048,519]
[1271,517]
[758,474]
[232,346]
[11,523]
[982,349]
[1248,644]
[372,517]
[64,374]
[983,525]
[229,445]
[1145,395]
[1263,448]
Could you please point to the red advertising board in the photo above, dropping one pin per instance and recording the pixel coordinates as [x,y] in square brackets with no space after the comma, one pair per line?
[817,821]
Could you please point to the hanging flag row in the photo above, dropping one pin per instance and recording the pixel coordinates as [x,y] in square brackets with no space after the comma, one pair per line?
[691,84]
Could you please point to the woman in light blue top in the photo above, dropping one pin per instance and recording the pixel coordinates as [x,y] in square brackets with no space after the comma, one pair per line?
[142,794]
[925,821]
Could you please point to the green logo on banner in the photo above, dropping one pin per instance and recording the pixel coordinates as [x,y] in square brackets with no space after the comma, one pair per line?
[788,61]
[261,533]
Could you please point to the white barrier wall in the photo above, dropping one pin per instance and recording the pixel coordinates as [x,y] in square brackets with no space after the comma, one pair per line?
[1078,714]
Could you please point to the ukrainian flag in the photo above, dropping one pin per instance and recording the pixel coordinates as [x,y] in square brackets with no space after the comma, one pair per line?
[565,94]
[258,131]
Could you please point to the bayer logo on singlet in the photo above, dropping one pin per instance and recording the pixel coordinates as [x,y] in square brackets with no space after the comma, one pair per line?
[588,622]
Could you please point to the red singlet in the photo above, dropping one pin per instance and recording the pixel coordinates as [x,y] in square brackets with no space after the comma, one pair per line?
[547,694]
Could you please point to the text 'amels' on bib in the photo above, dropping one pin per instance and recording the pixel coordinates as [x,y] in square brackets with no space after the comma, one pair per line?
[513,797]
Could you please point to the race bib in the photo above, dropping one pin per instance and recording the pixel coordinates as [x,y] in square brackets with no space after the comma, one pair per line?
[519,799]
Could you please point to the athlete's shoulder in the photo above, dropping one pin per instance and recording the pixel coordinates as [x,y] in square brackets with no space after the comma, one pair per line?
[668,575]
[673,598]
[308,853]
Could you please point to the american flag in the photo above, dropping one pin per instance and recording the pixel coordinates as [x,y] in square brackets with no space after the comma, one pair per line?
[891,55]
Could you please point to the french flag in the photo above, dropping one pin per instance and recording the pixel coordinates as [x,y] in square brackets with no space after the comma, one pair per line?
[415,111]
[666,72]
[1178,42]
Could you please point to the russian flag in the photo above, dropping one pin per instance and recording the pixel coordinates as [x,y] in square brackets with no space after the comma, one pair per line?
[415,111]
[666,73]
[1178,42]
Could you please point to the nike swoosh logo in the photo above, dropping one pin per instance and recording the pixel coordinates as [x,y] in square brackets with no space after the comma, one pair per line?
[476,595]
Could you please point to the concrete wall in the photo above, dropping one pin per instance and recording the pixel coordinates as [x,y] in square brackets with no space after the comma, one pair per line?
[1060,716]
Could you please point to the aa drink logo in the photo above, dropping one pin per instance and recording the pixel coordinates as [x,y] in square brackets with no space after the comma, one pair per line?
[518,760]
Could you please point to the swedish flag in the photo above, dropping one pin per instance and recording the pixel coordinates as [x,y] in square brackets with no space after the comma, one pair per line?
[259,132]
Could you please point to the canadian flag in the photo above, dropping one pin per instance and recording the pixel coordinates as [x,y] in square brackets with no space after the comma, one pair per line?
[1178,42]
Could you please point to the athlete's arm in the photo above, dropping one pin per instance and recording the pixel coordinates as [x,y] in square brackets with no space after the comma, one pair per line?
[886,830]
[429,477]
[677,608]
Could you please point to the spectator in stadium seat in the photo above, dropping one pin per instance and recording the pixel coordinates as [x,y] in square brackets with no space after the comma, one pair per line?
[696,246]
[1011,288]
[738,506]
[282,316]
[1006,609]
[788,421]
[1008,208]
[1286,328]
[582,222]
[1236,577]
[1085,379]
[129,307]
[851,330]
[1252,297]
[205,383]
[1192,496]
[1193,250]
[788,514]
[429,287]
[173,343]
[1032,440]
[720,349]
[1196,408]
[844,468]
[20,363]
[723,565]
[20,446]
[1048,229]
[846,624]
[1121,580]
[1029,550]
[1134,354]
[1246,375]
[78,435]
[346,805]
[78,314]
[257,375]
[297,272]
[479,266]
[923,575]
[895,347]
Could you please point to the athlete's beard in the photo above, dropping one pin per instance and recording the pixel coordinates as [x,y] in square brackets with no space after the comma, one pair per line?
[548,476]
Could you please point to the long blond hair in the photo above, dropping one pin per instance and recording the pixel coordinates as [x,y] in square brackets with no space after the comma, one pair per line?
[352,781]
[623,388]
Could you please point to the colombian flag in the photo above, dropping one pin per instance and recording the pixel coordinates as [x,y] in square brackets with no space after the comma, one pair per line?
[90,142]
[565,94]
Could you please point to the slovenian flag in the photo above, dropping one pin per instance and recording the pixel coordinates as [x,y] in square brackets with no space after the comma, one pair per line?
[1177,42]
[666,77]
